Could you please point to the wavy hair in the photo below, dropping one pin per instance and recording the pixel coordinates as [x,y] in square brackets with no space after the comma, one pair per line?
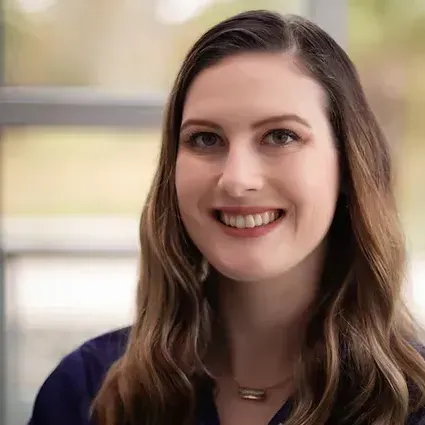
[361,336]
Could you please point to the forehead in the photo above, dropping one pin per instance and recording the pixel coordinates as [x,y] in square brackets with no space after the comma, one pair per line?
[249,85]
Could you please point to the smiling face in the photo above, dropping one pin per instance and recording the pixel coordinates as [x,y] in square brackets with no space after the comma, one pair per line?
[257,174]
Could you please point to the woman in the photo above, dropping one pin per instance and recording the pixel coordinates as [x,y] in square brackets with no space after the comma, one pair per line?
[273,259]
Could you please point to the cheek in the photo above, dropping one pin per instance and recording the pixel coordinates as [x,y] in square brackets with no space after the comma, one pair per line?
[313,182]
[183,183]
[322,191]
[190,181]
[322,181]
[190,188]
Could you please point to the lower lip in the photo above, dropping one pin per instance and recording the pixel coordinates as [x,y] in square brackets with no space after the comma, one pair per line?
[250,232]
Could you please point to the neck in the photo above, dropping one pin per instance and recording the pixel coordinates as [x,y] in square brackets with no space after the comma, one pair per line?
[264,323]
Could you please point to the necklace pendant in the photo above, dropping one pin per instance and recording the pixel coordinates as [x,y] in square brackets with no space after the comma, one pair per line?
[253,394]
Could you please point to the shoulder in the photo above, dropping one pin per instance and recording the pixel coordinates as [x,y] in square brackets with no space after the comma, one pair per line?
[66,395]
[417,418]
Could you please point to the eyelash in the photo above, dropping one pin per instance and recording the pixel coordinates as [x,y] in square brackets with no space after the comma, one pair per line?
[190,139]
[286,132]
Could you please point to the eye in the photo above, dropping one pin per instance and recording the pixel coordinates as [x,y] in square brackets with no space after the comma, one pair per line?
[280,137]
[203,140]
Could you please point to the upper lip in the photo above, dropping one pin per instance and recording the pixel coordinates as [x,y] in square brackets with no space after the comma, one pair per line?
[245,210]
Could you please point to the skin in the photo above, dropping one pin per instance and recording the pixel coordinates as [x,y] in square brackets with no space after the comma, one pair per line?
[255,133]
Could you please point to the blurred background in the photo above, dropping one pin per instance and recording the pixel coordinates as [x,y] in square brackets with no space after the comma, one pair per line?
[82,88]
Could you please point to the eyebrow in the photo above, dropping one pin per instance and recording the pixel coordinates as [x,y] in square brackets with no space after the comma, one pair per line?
[255,125]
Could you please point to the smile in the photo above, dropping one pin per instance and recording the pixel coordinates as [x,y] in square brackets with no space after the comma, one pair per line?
[249,221]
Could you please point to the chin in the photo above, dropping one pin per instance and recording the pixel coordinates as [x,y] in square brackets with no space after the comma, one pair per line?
[247,272]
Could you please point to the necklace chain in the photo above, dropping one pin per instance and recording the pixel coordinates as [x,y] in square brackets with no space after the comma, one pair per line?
[257,394]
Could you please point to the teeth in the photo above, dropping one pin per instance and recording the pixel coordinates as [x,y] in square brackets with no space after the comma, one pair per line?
[250,220]
[258,220]
[240,222]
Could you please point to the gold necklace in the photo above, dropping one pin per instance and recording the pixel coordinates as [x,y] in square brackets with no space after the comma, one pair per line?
[257,394]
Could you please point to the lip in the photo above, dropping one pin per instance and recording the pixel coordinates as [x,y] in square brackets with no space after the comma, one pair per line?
[251,232]
[245,210]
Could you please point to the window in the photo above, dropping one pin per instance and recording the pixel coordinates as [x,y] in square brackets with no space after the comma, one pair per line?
[77,171]
[117,45]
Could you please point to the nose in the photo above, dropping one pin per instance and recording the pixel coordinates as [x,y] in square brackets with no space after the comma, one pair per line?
[241,172]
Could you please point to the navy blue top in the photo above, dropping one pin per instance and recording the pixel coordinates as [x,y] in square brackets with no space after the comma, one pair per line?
[66,395]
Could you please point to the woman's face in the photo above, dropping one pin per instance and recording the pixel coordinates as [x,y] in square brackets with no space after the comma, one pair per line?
[257,174]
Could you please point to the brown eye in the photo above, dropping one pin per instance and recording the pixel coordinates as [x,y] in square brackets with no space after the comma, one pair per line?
[280,137]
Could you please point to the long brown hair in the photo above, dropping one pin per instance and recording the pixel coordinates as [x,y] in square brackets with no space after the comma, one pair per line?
[361,336]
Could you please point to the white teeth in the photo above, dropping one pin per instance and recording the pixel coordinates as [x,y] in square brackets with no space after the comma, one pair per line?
[250,220]
[240,222]
[258,220]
